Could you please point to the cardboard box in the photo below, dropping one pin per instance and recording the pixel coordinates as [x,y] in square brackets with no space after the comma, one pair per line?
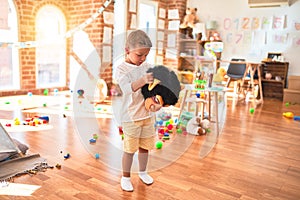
[294,82]
[292,96]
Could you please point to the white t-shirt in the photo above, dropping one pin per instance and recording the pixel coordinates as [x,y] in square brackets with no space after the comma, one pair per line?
[132,104]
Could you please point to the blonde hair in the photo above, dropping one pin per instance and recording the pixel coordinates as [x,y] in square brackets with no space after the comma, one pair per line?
[138,39]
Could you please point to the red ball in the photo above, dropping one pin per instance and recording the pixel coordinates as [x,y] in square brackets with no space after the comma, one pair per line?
[170,126]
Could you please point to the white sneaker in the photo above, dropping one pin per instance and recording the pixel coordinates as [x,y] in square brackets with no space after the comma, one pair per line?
[126,184]
[146,178]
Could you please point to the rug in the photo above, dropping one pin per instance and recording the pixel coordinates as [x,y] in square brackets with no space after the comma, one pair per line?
[29,164]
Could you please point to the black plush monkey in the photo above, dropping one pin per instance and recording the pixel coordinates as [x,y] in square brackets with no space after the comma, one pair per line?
[165,88]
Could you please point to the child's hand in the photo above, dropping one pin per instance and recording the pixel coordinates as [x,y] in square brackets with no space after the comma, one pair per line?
[148,78]
[155,107]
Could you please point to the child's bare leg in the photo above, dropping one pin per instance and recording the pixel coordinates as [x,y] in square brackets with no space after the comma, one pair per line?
[126,164]
[143,161]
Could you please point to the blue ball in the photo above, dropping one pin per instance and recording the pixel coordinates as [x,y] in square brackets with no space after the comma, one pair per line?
[97,155]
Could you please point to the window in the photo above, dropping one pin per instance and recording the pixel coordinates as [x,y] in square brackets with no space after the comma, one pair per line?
[9,54]
[51,47]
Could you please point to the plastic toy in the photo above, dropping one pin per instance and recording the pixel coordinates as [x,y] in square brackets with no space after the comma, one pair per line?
[46,92]
[165,88]
[92,140]
[58,166]
[67,156]
[97,155]
[159,144]
[95,136]
[297,118]
[251,110]
[80,93]
[179,130]
[289,115]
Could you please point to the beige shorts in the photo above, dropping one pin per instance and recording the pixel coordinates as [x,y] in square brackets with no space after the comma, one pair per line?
[138,134]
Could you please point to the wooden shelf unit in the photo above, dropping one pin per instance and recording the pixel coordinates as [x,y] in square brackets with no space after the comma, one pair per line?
[187,50]
[271,87]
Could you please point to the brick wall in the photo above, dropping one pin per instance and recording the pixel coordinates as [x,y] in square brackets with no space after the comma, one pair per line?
[76,12]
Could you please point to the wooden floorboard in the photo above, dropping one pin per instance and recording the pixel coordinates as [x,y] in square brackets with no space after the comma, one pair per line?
[257,157]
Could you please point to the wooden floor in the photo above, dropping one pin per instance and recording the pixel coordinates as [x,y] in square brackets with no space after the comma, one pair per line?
[257,157]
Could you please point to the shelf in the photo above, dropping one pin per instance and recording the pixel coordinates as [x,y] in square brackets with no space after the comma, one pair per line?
[272,81]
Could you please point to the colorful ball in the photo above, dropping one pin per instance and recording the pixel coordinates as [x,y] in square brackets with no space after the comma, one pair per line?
[159,144]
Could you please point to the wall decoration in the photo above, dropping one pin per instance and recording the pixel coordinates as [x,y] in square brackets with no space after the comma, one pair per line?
[162,13]
[278,22]
[106,54]
[172,40]
[296,41]
[247,37]
[279,38]
[259,38]
[132,6]
[266,23]
[133,21]
[173,14]
[160,35]
[161,24]
[255,24]
[107,35]
[160,47]
[174,25]
[159,60]
[108,17]
[246,25]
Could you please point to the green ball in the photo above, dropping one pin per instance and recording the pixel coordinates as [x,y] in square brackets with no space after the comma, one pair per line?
[46,92]
[287,104]
[159,144]
[251,110]
[179,130]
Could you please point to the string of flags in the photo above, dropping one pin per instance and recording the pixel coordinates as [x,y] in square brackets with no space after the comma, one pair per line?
[68,34]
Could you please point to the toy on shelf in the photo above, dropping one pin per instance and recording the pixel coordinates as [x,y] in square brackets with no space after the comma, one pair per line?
[189,21]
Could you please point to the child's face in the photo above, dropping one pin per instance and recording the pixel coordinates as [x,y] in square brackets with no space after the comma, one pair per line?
[137,56]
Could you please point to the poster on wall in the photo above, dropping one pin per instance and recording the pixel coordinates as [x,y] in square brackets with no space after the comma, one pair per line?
[162,13]
[108,17]
[106,54]
[278,22]
[266,23]
[173,14]
[296,41]
[133,21]
[107,35]
[132,6]
[174,25]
